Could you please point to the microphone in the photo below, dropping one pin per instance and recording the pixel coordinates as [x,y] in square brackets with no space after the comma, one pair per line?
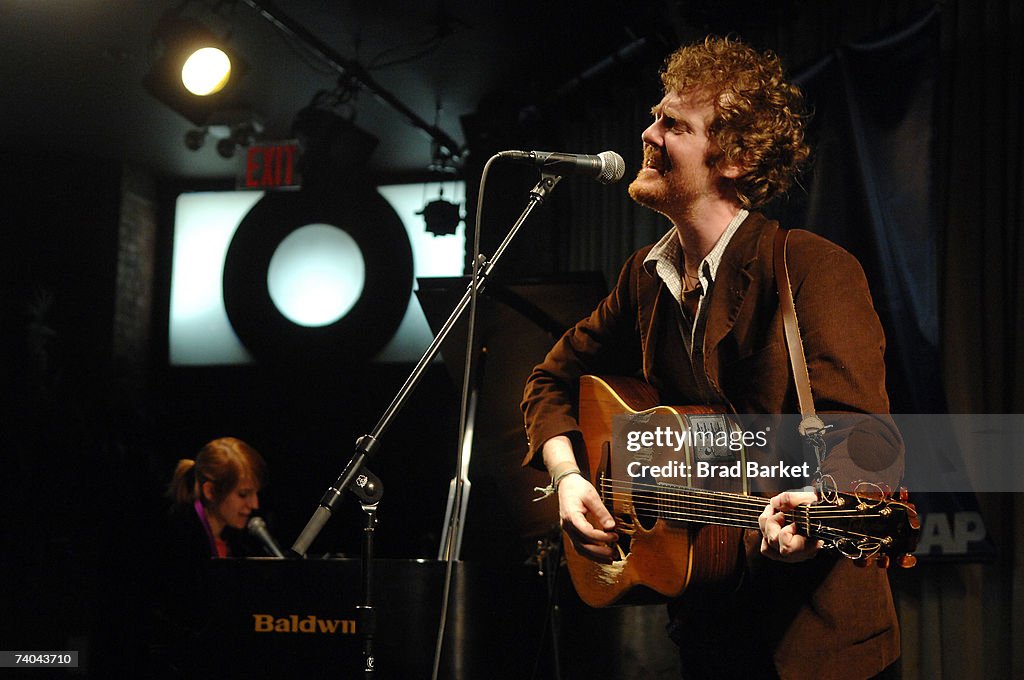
[606,167]
[258,528]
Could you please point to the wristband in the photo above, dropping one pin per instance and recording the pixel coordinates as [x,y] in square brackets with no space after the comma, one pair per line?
[556,480]
[560,472]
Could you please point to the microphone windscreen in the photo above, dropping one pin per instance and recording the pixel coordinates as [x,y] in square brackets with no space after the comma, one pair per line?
[258,528]
[612,167]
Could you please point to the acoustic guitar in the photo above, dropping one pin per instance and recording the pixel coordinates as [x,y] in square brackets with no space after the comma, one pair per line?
[678,529]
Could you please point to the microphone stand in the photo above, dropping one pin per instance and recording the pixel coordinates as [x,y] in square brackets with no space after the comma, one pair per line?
[367,445]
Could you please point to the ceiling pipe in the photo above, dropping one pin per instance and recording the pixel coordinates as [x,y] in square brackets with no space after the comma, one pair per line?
[353,70]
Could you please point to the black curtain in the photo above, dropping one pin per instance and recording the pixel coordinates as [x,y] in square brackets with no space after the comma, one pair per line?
[870,189]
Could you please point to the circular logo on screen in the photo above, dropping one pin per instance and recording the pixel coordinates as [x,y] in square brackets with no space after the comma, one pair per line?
[318,276]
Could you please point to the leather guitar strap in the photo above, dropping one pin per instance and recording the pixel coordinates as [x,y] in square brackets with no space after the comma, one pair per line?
[811,426]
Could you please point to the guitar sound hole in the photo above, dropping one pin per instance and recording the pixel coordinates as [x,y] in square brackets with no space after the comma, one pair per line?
[624,533]
[645,501]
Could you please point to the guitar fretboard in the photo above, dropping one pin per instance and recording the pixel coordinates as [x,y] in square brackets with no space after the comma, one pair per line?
[703,506]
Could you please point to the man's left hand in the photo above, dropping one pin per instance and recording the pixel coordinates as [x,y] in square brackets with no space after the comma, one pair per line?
[779,540]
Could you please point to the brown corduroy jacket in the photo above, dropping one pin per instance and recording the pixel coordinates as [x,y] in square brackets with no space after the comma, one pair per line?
[828,617]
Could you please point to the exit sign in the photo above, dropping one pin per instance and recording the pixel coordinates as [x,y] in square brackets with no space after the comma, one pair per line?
[271,166]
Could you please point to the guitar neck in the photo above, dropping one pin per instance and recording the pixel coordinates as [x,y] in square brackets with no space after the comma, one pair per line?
[685,504]
[704,506]
[830,523]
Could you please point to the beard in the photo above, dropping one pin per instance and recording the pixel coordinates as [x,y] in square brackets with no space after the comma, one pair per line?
[663,186]
[666,192]
[649,191]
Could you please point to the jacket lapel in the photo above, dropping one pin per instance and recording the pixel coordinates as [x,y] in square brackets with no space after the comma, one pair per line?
[648,292]
[732,282]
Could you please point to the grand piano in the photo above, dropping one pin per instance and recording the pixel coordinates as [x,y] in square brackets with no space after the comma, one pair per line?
[298,619]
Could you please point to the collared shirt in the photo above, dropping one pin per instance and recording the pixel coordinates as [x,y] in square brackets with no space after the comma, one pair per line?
[666,260]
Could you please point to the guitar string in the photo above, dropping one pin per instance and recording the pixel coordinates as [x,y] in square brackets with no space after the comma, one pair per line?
[730,494]
[672,488]
[671,505]
[752,503]
[802,515]
[656,503]
[829,511]
[660,509]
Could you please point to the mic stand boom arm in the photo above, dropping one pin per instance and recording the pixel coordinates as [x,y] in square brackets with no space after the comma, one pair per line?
[367,445]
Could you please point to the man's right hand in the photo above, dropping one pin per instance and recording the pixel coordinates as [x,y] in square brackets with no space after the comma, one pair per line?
[585,519]
[583,516]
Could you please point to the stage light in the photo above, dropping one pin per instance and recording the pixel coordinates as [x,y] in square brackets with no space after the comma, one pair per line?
[332,145]
[206,71]
[441,217]
[195,138]
[195,73]
[229,130]
[226,147]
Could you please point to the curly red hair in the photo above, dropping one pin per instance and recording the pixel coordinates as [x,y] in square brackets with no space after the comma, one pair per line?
[759,115]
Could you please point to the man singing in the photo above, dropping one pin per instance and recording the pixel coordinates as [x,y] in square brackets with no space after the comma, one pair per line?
[697,316]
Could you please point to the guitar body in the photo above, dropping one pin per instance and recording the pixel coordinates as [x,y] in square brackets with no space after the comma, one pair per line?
[658,559]
[672,478]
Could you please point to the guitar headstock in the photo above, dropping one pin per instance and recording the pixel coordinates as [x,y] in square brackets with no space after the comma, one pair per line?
[867,524]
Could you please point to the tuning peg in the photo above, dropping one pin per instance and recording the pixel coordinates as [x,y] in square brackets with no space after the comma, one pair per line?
[907,561]
[904,494]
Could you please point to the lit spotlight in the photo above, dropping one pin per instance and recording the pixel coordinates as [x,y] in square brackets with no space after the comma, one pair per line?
[206,71]
[194,72]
